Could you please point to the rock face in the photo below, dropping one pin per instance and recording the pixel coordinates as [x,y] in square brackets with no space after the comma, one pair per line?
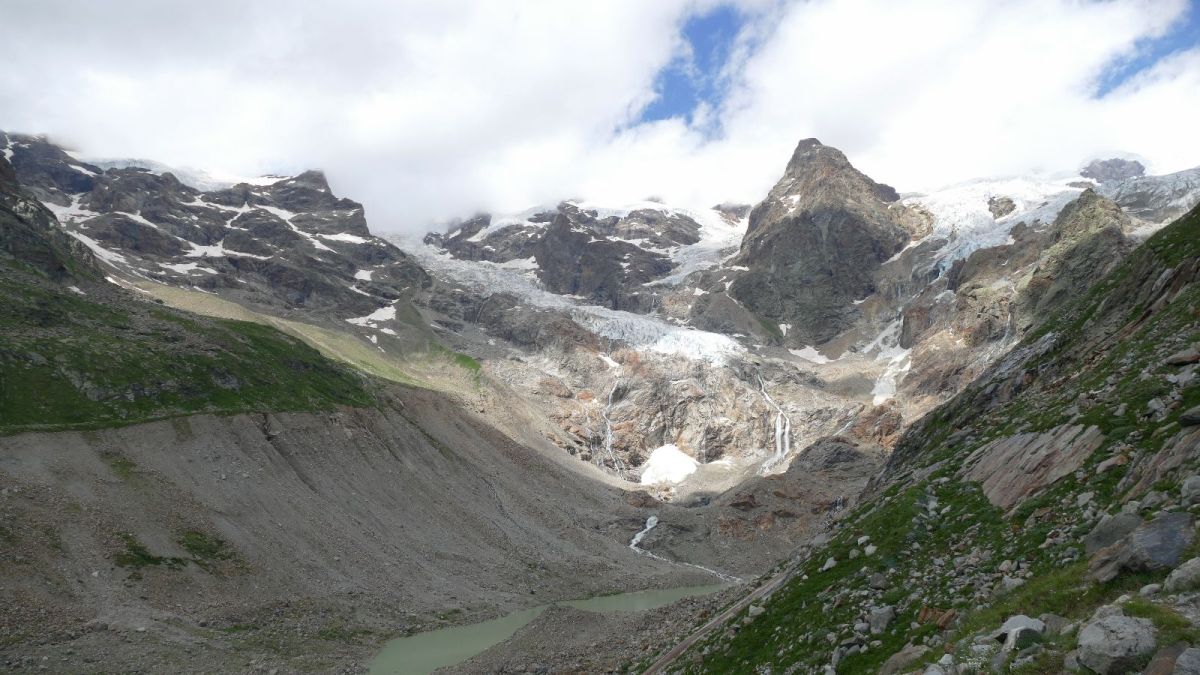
[812,245]
[29,235]
[1116,644]
[1113,170]
[574,251]
[1013,468]
[1089,241]
[1156,198]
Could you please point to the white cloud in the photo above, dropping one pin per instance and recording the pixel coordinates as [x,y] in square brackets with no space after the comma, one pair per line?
[432,110]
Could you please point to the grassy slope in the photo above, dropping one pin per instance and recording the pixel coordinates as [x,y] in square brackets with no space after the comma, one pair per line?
[71,361]
[1109,336]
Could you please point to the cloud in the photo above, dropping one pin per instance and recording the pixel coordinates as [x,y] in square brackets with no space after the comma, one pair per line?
[426,111]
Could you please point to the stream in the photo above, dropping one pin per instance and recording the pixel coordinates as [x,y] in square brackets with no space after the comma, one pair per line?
[425,652]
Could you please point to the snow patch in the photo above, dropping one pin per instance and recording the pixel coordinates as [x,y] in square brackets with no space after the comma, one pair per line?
[668,464]
[111,257]
[810,353]
[186,268]
[382,314]
[346,237]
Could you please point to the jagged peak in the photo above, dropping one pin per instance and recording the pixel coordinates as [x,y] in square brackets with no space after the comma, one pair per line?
[813,160]
[314,178]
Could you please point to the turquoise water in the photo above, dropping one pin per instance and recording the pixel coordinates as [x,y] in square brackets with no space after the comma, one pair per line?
[425,652]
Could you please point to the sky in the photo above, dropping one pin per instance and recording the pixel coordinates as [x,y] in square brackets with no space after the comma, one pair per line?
[427,112]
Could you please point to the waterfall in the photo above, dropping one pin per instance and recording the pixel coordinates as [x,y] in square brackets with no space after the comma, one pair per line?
[783,428]
[651,523]
[608,434]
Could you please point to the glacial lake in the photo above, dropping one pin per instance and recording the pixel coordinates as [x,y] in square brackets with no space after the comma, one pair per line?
[426,652]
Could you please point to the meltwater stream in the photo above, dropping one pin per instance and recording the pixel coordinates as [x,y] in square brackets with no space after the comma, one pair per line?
[426,652]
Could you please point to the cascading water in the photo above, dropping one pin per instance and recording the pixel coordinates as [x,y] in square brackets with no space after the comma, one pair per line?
[651,523]
[608,433]
[783,429]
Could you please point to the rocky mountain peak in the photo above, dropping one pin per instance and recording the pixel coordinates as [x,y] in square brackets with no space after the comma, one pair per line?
[1113,170]
[815,162]
[813,243]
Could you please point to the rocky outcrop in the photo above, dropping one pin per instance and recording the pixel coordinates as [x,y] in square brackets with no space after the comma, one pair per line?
[1010,469]
[1157,199]
[1113,170]
[30,237]
[1088,242]
[813,244]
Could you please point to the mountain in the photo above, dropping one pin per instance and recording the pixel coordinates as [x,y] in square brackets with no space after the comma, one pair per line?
[811,246]
[177,486]
[1055,486]
[271,407]
[288,247]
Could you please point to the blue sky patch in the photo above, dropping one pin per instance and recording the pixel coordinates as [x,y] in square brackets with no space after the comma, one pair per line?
[1183,34]
[694,78]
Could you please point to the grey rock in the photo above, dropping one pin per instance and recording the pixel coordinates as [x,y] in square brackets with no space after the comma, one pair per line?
[1113,170]
[755,611]
[880,618]
[1188,663]
[1186,577]
[1190,490]
[1185,357]
[1116,644]
[1109,531]
[1190,417]
[901,660]
[1155,545]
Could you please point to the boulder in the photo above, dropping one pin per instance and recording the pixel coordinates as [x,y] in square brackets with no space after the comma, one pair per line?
[1190,417]
[1109,531]
[1165,659]
[1190,490]
[880,618]
[1116,644]
[1183,358]
[901,660]
[1186,577]
[1188,663]
[1155,545]
[1019,632]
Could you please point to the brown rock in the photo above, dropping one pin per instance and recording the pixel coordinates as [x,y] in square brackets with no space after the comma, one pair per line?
[1015,467]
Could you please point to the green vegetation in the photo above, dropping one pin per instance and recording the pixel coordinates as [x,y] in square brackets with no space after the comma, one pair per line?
[457,358]
[123,467]
[204,547]
[137,556]
[105,359]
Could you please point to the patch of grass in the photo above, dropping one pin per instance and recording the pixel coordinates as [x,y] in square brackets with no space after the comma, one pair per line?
[122,466]
[1172,627]
[457,358]
[205,547]
[137,556]
[771,328]
[338,631]
[105,360]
